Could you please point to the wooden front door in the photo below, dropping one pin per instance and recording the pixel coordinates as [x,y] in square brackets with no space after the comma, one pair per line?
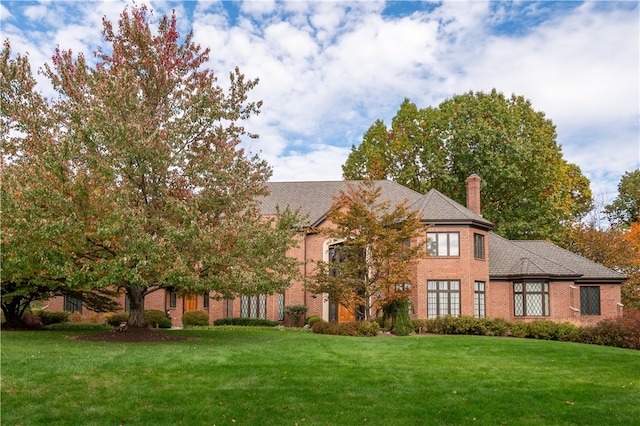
[190,302]
[344,315]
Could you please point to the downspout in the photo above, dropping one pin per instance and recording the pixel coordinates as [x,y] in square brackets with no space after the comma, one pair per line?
[304,267]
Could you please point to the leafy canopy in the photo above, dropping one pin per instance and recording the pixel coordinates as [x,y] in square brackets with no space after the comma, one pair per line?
[133,176]
[625,209]
[528,190]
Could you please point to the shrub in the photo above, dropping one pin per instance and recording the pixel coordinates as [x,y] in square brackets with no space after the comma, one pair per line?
[542,329]
[312,319]
[496,326]
[195,318]
[324,327]
[52,317]
[255,322]
[368,328]
[165,323]
[621,332]
[117,319]
[295,312]
[153,317]
[420,325]
[76,317]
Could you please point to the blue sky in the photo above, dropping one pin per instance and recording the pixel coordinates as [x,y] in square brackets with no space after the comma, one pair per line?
[329,69]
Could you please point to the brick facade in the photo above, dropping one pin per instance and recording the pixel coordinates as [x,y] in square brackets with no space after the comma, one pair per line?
[500,264]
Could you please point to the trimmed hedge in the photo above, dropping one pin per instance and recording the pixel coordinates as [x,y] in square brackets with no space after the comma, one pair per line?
[52,317]
[195,318]
[360,328]
[622,332]
[246,322]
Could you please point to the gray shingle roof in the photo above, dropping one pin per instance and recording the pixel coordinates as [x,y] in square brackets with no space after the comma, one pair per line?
[315,198]
[438,208]
[512,259]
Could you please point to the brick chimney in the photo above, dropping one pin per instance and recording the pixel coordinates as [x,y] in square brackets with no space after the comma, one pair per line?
[473,193]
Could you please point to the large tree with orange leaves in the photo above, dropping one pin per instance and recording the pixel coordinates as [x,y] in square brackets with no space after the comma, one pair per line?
[376,245]
[133,176]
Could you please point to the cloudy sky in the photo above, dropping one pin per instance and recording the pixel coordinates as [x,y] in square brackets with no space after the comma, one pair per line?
[329,69]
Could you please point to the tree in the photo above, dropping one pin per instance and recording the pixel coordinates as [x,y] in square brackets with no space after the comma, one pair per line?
[529,191]
[32,266]
[374,259]
[625,209]
[134,174]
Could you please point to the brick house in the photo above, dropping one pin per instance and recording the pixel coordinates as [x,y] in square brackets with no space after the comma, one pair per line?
[469,271]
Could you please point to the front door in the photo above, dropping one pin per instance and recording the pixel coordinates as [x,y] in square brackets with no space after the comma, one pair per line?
[345,315]
[190,302]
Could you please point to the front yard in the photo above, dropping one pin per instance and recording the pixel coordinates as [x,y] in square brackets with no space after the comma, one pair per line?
[255,376]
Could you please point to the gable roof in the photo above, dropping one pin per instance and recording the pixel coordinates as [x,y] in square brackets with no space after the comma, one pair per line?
[314,199]
[540,259]
[439,209]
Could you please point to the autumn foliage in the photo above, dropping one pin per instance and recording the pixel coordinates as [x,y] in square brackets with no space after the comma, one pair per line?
[133,178]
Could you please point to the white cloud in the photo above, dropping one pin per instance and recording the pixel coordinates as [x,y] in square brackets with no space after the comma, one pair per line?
[329,69]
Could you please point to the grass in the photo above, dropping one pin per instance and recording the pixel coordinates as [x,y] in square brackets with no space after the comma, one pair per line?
[255,376]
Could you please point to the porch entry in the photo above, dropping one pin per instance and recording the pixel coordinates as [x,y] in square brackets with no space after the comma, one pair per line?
[338,312]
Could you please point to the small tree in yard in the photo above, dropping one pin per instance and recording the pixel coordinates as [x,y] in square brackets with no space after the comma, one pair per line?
[378,246]
[296,312]
[133,178]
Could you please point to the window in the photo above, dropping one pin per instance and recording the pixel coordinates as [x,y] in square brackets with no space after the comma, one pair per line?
[479,299]
[228,308]
[443,298]
[205,299]
[531,299]
[443,243]
[478,246]
[253,306]
[281,307]
[590,300]
[336,255]
[73,304]
[173,299]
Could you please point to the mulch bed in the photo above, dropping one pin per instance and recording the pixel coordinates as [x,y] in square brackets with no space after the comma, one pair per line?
[132,334]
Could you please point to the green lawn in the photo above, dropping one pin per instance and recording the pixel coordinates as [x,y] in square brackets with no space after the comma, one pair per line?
[251,376]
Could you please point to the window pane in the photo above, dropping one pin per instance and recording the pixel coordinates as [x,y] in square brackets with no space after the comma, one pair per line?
[517,287]
[519,309]
[454,285]
[455,304]
[454,244]
[534,304]
[432,304]
[444,304]
[432,245]
[442,245]
[534,286]
[432,285]
[281,306]
[590,300]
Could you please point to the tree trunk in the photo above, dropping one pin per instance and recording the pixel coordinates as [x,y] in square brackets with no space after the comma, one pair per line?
[136,296]
[14,310]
